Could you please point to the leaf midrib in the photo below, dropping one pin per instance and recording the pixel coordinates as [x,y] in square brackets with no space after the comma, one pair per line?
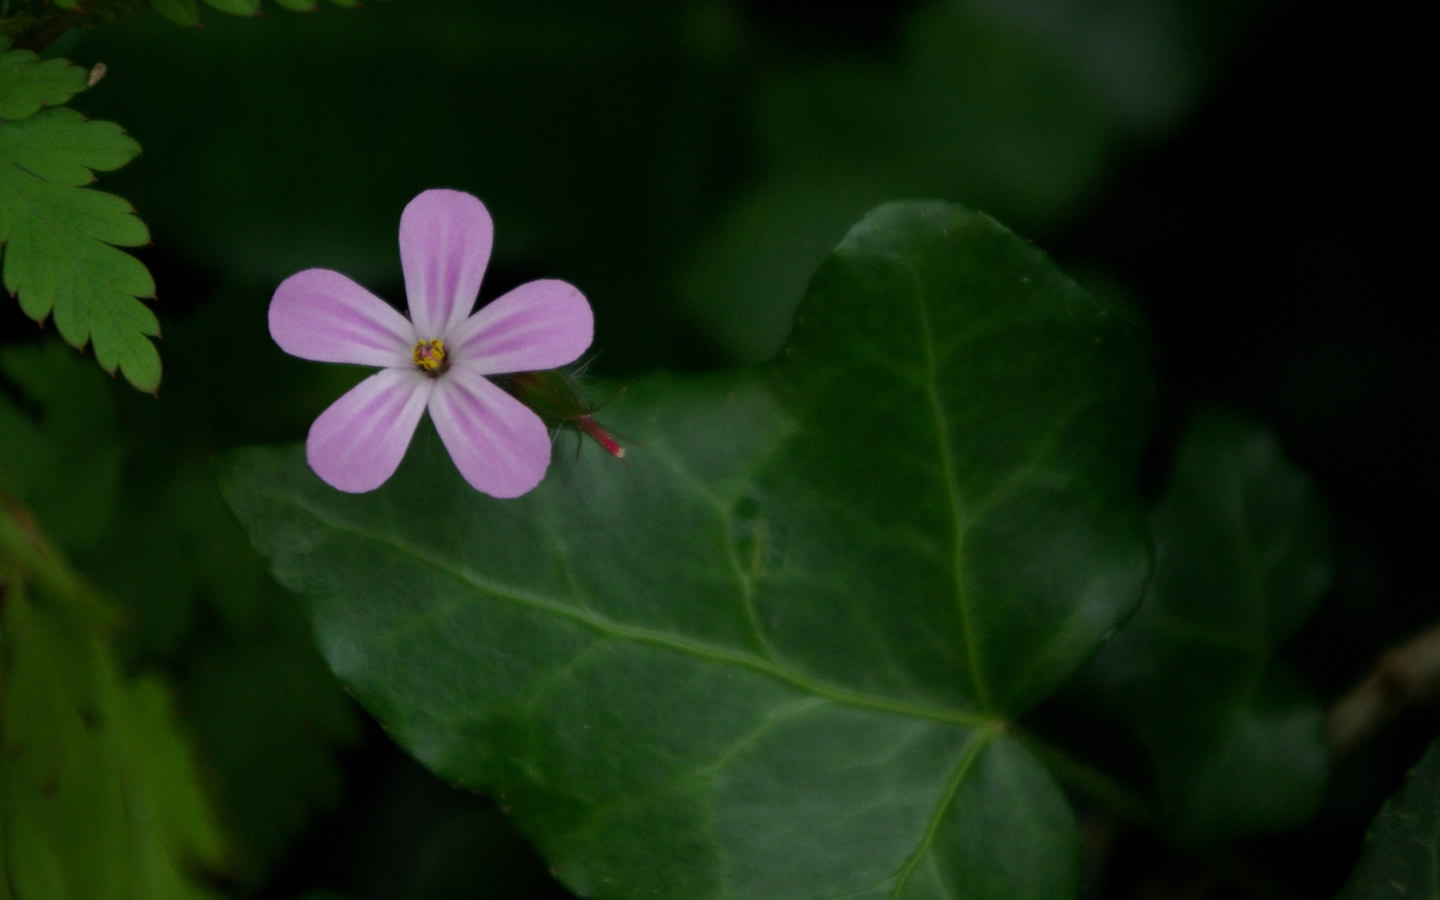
[952,490]
[977,743]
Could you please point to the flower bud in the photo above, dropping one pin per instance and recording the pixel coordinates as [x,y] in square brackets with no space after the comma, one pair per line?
[555,397]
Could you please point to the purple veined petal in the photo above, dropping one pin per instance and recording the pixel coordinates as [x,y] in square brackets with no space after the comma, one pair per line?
[497,443]
[539,325]
[445,239]
[323,315]
[357,443]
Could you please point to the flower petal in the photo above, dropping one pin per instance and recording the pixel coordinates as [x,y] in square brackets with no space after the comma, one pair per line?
[359,441]
[322,315]
[539,325]
[445,239]
[498,444]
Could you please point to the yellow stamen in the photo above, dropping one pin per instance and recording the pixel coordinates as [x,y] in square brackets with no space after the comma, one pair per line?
[429,355]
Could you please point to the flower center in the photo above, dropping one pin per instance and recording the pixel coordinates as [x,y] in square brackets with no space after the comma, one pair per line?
[429,356]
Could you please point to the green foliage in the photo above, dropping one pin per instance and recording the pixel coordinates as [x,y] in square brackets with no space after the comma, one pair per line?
[61,456]
[28,83]
[266,715]
[187,12]
[1403,844]
[181,12]
[59,238]
[99,795]
[28,15]
[1242,557]
[782,654]
[1020,109]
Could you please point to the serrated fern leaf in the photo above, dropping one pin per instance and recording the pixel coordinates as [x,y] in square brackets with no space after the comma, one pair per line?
[28,83]
[59,239]
[100,794]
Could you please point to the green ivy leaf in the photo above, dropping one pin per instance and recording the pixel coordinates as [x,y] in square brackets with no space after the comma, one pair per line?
[99,795]
[781,654]
[60,239]
[27,83]
[1398,859]
[1242,558]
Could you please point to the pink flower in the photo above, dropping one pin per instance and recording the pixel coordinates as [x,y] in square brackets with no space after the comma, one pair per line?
[437,359]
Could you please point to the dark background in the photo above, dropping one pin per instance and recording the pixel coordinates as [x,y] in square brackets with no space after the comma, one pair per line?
[1258,177]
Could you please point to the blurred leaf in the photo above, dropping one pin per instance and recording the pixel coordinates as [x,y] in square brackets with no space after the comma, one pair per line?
[266,714]
[28,83]
[264,710]
[57,238]
[1398,859]
[1145,61]
[1018,109]
[1242,557]
[272,721]
[236,7]
[59,451]
[187,12]
[99,796]
[972,109]
[252,7]
[181,12]
[743,284]
[780,655]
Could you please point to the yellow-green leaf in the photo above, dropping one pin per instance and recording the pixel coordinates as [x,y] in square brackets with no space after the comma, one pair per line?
[99,794]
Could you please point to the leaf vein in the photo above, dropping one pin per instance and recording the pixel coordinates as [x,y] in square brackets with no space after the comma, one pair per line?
[611,628]
[978,743]
[952,490]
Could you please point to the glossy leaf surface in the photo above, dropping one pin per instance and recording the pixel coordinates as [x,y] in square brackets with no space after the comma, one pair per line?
[780,654]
